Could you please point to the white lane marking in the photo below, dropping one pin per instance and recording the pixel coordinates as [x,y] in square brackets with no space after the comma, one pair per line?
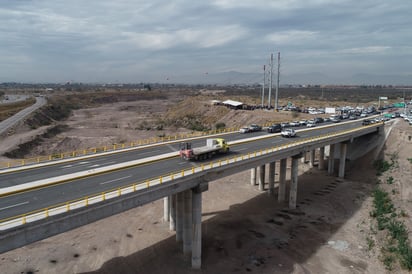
[78,164]
[241,149]
[114,180]
[143,153]
[104,164]
[19,204]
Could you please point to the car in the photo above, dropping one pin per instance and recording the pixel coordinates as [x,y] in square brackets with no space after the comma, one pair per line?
[318,120]
[244,130]
[284,124]
[352,117]
[303,122]
[294,124]
[274,128]
[366,122]
[254,128]
[288,132]
[311,124]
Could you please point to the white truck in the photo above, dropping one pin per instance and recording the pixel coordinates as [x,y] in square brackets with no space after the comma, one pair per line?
[212,147]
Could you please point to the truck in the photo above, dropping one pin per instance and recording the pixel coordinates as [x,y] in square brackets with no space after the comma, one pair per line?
[213,146]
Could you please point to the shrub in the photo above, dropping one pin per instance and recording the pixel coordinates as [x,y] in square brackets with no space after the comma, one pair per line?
[220,125]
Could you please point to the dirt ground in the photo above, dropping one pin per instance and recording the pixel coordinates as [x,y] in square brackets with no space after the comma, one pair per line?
[244,230]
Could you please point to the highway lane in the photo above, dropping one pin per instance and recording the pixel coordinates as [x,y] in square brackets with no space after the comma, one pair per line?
[41,198]
[53,169]
[9,122]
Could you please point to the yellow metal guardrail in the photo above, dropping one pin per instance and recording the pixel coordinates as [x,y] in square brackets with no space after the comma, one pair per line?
[114,147]
[117,192]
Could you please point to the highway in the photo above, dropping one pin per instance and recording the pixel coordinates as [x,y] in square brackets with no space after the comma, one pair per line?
[8,123]
[28,201]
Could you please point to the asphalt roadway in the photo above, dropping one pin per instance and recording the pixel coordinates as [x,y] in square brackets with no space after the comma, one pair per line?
[23,202]
[8,123]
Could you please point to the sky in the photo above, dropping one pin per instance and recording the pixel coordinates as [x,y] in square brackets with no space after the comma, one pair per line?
[133,41]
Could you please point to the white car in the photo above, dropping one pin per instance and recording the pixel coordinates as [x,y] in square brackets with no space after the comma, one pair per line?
[244,130]
[288,132]
[311,124]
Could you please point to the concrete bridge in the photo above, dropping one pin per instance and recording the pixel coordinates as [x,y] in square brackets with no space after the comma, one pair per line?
[183,194]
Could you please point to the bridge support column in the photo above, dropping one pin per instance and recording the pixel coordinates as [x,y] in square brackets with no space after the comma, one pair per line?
[166,208]
[312,158]
[331,160]
[303,159]
[187,222]
[253,176]
[172,218]
[272,166]
[294,181]
[343,148]
[321,158]
[282,180]
[197,229]
[262,177]
[179,216]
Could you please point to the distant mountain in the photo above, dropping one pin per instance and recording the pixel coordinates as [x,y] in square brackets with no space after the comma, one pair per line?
[312,78]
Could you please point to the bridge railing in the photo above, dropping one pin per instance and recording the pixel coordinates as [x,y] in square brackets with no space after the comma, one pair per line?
[119,191]
[113,147]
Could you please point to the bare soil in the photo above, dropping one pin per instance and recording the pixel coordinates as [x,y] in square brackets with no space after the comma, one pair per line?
[244,230]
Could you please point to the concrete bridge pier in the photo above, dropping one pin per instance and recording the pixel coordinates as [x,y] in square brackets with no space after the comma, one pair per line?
[262,170]
[321,164]
[312,158]
[282,180]
[197,228]
[303,159]
[187,222]
[179,217]
[166,208]
[253,176]
[331,160]
[272,167]
[172,217]
[294,181]
[342,159]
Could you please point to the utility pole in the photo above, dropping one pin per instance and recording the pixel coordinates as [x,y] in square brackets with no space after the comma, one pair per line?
[264,82]
[270,81]
[277,85]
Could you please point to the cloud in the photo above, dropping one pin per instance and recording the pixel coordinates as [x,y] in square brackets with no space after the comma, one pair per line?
[291,36]
[149,38]
[366,50]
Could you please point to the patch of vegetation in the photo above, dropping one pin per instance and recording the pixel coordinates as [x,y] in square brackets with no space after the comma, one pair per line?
[370,243]
[381,166]
[410,160]
[220,125]
[399,247]
[383,207]
[390,180]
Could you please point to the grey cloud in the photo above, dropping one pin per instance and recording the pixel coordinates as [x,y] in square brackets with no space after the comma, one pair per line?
[137,40]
